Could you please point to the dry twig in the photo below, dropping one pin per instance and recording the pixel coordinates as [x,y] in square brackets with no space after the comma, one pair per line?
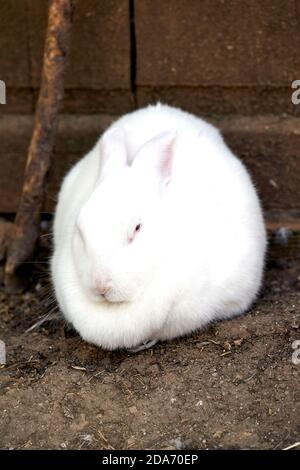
[27,223]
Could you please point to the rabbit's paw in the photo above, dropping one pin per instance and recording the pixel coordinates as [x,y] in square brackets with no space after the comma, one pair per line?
[145,345]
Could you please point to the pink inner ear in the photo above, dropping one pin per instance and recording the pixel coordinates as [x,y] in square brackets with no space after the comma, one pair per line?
[167,163]
[165,155]
[158,154]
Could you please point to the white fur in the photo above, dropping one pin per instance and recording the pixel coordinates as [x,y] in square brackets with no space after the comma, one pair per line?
[199,255]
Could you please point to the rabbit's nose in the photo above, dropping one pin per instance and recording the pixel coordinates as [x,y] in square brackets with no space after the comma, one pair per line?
[102,287]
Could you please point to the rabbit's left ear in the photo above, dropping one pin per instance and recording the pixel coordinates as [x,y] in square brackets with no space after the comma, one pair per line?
[113,151]
[157,155]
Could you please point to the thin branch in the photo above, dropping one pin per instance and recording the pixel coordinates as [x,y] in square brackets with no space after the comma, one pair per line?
[27,222]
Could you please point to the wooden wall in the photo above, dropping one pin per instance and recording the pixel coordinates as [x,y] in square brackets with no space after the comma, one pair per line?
[231,61]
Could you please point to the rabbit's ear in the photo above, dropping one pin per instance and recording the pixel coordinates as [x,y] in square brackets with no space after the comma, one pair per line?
[113,151]
[157,155]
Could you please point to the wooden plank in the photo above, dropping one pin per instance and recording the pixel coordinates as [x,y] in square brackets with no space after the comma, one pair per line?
[14,60]
[221,101]
[100,51]
[217,43]
[269,146]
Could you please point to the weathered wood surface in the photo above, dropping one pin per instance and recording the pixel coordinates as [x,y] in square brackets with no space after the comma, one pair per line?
[209,56]
[98,74]
[27,222]
[218,57]
[269,146]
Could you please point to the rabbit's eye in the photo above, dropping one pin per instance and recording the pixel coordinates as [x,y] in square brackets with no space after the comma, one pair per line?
[136,229]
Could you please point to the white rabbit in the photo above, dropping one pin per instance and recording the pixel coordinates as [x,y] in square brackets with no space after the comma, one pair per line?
[158,231]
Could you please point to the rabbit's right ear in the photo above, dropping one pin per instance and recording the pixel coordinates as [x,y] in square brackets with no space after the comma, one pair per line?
[113,151]
[157,156]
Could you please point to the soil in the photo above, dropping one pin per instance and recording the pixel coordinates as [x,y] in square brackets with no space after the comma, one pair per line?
[232,386]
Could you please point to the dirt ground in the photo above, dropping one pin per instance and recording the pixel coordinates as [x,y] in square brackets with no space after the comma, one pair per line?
[232,386]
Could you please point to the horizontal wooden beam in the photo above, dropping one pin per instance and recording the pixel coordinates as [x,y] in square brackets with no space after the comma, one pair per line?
[269,146]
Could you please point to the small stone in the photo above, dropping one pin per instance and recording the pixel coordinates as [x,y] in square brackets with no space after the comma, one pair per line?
[218,434]
[131,441]
[133,410]
[227,346]
[154,369]
[178,443]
